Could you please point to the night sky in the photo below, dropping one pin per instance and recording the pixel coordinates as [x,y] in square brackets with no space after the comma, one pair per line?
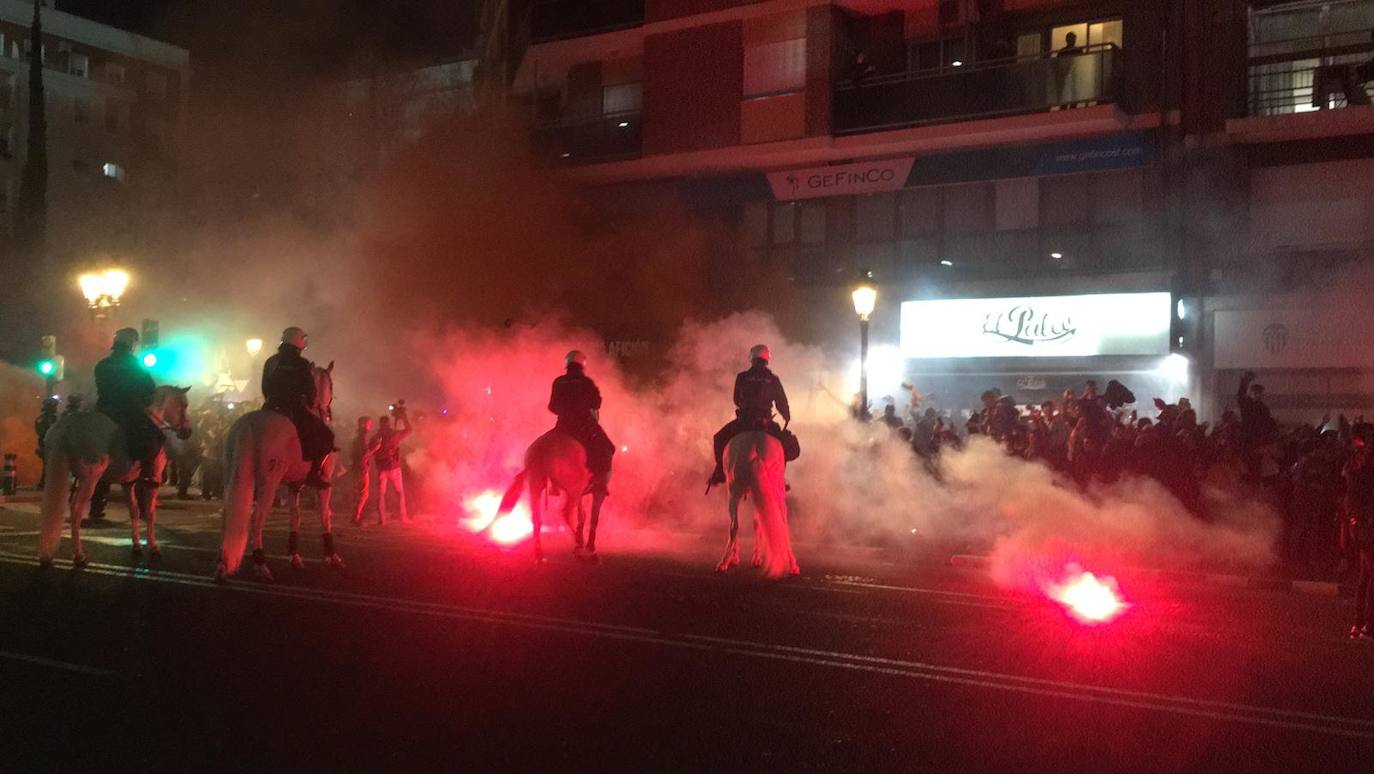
[238,44]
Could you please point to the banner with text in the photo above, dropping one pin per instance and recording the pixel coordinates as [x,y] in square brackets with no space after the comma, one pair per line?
[1043,326]
[841,179]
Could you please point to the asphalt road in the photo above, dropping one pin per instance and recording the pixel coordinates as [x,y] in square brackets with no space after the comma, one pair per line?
[435,651]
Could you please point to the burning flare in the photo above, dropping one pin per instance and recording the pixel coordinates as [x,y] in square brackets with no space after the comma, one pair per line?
[508,530]
[1089,600]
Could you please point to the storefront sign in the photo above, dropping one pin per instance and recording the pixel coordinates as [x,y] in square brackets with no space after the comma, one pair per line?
[1045,326]
[840,180]
[1333,337]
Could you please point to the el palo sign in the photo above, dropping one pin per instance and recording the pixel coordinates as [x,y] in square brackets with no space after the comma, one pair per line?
[1041,326]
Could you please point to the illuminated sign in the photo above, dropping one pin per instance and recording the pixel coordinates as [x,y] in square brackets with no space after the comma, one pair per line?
[1043,326]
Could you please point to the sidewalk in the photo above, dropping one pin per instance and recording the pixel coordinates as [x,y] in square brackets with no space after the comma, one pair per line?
[1320,588]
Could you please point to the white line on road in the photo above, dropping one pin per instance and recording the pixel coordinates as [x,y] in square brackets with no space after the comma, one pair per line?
[53,663]
[1273,717]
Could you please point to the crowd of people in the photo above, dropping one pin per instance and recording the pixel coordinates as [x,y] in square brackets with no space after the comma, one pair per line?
[1096,436]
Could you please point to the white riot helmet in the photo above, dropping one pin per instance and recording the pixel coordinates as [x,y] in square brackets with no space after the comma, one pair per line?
[759,352]
[575,356]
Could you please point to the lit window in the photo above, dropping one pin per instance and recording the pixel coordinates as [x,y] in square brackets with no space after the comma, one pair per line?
[775,68]
[79,65]
[157,85]
[114,171]
[114,73]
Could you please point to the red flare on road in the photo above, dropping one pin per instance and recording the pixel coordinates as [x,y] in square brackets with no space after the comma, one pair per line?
[508,530]
[1088,599]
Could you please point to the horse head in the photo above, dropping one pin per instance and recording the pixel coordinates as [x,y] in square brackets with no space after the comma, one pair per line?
[324,391]
[175,408]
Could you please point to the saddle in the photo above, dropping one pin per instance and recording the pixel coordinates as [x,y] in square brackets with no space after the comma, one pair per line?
[791,447]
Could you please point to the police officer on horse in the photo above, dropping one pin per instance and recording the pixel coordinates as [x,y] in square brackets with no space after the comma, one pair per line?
[124,389]
[757,392]
[288,387]
[577,403]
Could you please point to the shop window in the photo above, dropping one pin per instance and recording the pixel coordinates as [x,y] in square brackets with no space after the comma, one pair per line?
[812,228]
[875,218]
[920,212]
[784,223]
[622,98]
[1030,44]
[1117,197]
[1018,204]
[78,65]
[968,209]
[936,54]
[755,223]
[1064,200]
[775,68]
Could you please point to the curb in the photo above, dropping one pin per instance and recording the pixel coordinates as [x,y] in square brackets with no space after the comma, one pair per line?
[1318,588]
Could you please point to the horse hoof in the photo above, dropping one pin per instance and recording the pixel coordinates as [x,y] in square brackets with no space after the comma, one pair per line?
[79,561]
[261,572]
[794,570]
[221,573]
[297,562]
[335,562]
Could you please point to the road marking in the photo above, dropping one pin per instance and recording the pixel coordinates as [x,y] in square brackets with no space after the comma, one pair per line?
[1273,717]
[55,664]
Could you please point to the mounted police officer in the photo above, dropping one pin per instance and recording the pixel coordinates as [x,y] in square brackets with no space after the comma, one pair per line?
[577,403]
[288,387]
[757,392]
[124,389]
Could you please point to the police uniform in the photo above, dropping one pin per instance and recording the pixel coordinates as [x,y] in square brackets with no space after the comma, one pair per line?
[575,400]
[757,392]
[288,387]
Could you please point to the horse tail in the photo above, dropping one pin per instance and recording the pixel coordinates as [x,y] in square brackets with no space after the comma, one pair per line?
[240,478]
[769,489]
[57,483]
[512,495]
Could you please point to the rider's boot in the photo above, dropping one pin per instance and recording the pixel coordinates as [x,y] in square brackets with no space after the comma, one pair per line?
[717,476]
[315,479]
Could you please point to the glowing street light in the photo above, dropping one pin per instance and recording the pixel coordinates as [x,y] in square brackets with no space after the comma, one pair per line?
[103,290]
[865,298]
[254,346]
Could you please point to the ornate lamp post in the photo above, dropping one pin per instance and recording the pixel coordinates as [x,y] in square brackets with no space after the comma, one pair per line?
[865,297]
[103,290]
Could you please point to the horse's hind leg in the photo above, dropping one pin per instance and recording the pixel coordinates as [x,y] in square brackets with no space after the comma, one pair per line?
[87,476]
[293,538]
[581,522]
[267,492]
[537,485]
[597,501]
[147,495]
[131,500]
[731,557]
[331,557]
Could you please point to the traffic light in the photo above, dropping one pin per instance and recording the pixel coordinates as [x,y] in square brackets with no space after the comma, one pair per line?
[52,368]
[149,359]
[149,335]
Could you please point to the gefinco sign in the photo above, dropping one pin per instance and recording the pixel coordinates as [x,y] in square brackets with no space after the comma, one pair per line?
[1043,326]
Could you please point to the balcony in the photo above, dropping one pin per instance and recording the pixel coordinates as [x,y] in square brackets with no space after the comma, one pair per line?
[607,137]
[994,88]
[1300,76]
[561,19]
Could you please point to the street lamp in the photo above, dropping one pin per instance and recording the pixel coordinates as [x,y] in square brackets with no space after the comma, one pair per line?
[103,290]
[254,346]
[865,297]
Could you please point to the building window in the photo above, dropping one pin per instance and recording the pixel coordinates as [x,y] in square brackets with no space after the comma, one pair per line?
[920,212]
[6,92]
[116,115]
[114,73]
[42,51]
[775,68]
[812,230]
[622,98]
[784,223]
[113,171]
[79,65]
[875,218]
[968,209]
[157,85]
[1064,201]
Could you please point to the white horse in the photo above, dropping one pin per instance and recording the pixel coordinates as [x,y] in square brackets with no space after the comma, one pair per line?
[261,452]
[556,462]
[91,447]
[755,467]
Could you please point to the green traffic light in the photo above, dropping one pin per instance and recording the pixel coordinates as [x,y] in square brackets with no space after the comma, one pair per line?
[46,367]
[149,360]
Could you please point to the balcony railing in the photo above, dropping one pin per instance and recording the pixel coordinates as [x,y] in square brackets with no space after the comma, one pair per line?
[560,19]
[1000,87]
[1308,76]
[602,138]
